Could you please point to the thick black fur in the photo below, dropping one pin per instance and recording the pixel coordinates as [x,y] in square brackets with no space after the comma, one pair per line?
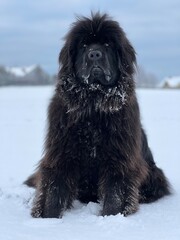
[96,149]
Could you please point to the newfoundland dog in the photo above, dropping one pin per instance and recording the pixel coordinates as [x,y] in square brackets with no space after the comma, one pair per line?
[96,148]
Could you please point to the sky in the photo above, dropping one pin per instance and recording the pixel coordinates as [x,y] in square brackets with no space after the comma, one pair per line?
[31,32]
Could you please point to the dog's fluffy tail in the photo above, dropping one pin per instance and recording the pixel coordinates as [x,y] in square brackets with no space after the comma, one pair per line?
[32,180]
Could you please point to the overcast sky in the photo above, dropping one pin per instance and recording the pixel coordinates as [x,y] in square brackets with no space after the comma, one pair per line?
[31,31]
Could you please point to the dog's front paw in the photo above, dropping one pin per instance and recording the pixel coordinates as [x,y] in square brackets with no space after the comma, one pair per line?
[37,211]
[129,209]
[107,211]
[113,206]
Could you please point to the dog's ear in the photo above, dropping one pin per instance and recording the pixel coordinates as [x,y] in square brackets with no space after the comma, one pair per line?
[66,59]
[127,56]
[63,55]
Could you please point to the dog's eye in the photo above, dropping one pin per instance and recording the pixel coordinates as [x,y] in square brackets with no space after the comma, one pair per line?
[106,45]
[84,45]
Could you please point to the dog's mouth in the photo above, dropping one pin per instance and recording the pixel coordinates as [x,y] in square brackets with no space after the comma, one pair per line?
[98,74]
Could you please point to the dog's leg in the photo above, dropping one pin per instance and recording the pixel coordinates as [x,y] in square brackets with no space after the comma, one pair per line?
[56,185]
[123,169]
[119,195]
[54,194]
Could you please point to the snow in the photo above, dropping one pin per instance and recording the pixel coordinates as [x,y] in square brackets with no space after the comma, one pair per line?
[20,71]
[22,129]
[171,82]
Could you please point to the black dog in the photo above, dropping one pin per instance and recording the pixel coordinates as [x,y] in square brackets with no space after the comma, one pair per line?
[96,148]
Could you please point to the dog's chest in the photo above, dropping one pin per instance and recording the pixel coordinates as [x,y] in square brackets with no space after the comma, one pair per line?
[89,142]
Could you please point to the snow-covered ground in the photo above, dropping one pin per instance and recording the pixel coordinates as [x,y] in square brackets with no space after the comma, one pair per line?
[22,129]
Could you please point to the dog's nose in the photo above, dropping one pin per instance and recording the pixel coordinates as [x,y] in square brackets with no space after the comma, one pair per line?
[95,55]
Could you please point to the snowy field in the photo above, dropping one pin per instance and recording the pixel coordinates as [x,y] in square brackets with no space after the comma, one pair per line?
[22,129]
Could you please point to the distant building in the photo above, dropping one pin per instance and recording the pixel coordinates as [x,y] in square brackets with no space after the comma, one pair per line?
[171,82]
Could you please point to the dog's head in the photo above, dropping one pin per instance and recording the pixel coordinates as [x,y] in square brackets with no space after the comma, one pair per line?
[97,64]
